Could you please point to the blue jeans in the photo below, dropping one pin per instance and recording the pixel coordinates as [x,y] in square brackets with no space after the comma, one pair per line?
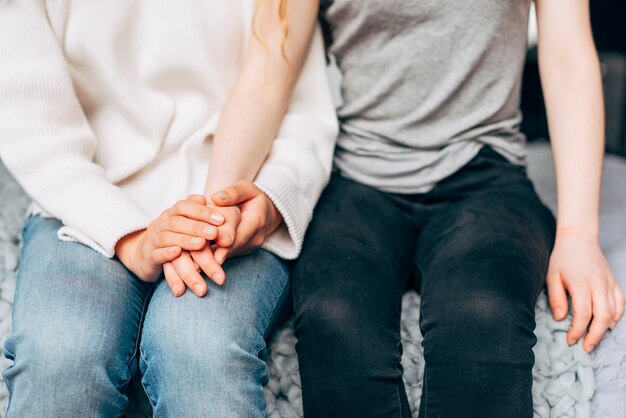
[83,325]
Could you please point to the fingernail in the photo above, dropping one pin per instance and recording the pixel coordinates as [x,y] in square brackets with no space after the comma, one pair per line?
[176,289]
[210,231]
[221,195]
[589,348]
[216,217]
[197,241]
[198,289]
[219,278]
[558,313]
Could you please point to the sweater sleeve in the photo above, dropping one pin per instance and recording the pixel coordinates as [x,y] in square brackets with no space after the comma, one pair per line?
[300,161]
[46,141]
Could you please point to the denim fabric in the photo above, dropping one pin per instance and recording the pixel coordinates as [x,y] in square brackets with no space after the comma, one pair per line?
[79,318]
[478,246]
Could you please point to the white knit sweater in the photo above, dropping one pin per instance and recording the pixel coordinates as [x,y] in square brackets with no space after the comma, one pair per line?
[107,111]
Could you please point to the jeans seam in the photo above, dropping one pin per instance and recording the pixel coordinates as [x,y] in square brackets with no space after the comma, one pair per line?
[271,315]
[137,338]
[143,384]
[424,389]
[6,369]
[398,400]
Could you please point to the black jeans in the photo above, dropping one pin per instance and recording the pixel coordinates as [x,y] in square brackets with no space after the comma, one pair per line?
[479,243]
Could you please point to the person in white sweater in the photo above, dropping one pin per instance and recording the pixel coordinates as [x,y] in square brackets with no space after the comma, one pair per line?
[128,123]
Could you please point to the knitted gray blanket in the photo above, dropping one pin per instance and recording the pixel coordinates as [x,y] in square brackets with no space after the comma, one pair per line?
[565,378]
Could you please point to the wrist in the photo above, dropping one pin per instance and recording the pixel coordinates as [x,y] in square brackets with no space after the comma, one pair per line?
[126,246]
[276,218]
[587,232]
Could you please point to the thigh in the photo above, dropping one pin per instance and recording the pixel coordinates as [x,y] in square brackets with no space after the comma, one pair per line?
[76,319]
[244,309]
[204,356]
[349,279]
[486,252]
[66,291]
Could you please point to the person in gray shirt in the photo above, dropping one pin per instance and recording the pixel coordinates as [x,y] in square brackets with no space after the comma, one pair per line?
[430,184]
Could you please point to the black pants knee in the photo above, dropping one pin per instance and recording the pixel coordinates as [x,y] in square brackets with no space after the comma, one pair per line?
[480,242]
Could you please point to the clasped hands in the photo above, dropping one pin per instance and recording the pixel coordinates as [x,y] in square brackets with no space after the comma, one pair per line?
[198,235]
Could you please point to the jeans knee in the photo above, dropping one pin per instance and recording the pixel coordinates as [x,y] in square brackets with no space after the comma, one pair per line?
[481,327]
[210,356]
[218,374]
[69,377]
[334,336]
[51,360]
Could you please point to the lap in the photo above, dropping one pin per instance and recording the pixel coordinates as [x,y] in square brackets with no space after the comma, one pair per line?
[349,280]
[247,306]
[358,241]
[68,293]
[498,238]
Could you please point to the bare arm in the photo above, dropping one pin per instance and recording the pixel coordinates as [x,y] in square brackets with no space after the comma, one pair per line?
[570,74]
[255,108]
[249,123]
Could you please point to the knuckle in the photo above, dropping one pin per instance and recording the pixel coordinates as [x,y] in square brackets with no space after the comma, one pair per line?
[236,188]
[146,253]
[155,222]
[197,228]
[257,241]
[230,229]
[165,214]
[171,223]
[196,197]
[180,206]
[233,193]
[156,255]
[190,241]
[605,317]
[228,237]
[205,212]
[161,239]
[581,309]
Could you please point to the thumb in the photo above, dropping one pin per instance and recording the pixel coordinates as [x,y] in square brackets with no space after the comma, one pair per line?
[237,193]
[557,297]
[221,254]
[197,198]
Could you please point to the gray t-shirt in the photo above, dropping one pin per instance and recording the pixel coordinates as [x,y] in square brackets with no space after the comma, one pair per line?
[426,84]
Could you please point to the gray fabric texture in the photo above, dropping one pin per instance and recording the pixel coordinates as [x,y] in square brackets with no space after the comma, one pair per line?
[425,85]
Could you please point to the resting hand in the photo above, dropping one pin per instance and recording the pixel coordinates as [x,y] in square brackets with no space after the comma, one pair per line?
[183,271]
[578,267]
[187,226]
[259,218]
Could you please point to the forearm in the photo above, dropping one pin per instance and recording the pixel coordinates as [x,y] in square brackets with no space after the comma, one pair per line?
[252,115]
[248,125]
[572,85]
